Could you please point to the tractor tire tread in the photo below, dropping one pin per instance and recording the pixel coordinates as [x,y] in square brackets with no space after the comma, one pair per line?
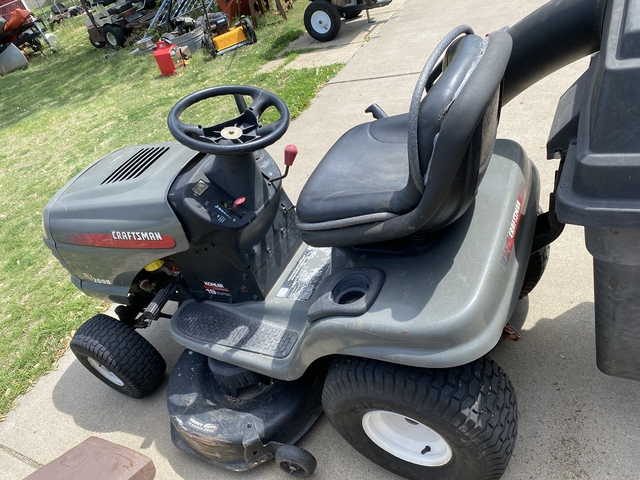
[535,269]
[122,349]
[491,424]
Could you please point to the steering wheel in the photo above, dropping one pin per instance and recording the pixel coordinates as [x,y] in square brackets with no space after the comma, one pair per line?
[239,135]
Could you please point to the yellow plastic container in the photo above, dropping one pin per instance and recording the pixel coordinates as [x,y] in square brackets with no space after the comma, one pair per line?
[234,36]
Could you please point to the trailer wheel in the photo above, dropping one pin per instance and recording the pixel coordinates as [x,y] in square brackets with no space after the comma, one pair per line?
[36,45]
[420,423]
[114,35]
[119,356]
[351,14]
[322,20]
[295,461]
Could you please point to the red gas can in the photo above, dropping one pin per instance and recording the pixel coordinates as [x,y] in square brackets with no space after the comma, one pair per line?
[168,57]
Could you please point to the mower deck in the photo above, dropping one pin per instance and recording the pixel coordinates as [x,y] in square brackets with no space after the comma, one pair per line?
[241,432]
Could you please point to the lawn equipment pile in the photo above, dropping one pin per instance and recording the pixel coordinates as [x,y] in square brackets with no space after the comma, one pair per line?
[114,26]
[22,29]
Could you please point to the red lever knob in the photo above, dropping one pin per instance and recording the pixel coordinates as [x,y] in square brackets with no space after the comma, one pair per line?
[238,202]
[290,152]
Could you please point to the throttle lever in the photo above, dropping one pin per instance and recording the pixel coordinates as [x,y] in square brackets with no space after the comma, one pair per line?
[290,153]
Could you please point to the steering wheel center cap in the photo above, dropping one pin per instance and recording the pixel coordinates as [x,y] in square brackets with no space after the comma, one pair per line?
[231,133]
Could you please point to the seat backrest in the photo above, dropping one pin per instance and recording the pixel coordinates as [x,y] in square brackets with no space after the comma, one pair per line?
[457,125]
[458,63]
[58,9]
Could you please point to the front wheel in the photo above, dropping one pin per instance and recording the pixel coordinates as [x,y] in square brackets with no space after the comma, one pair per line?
[322,20]
[295,461]
[119,356]
[457,423]
[97,44]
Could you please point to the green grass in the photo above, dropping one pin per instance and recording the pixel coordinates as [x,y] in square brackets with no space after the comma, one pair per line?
[61,114]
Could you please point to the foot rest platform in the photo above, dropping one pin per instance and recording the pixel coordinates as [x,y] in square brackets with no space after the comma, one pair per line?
[208,323]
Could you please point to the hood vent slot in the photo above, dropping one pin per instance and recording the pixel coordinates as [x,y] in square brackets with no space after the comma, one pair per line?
[136,165]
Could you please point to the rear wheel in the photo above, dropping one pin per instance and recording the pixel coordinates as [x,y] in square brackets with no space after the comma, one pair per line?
[249,31]
[114,35]
[535,268]
[119,356]
[322,20]
[419,423]
[209,45]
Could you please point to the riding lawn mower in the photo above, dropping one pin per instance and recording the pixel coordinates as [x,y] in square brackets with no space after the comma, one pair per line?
[379,296]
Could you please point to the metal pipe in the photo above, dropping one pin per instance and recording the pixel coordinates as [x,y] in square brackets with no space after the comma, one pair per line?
[87,10]
[556,34]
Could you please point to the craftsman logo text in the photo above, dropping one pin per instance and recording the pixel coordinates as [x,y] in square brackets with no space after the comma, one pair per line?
[153,236]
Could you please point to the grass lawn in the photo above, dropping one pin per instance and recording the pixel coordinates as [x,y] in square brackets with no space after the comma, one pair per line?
[61,114]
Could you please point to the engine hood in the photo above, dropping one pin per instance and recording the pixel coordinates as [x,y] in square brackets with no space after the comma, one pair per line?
[113,218]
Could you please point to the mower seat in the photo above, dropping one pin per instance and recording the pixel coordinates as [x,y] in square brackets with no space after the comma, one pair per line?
[118,9]
[367,189]
[59,9]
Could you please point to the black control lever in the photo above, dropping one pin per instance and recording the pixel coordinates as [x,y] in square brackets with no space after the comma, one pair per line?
[375,110]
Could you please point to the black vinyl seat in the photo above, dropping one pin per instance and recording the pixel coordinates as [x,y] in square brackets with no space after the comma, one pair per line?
[118,9]
[368,188]
[370,178]
[59,9]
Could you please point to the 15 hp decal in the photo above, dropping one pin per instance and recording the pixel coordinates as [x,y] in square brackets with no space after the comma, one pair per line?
[513,229]
[120,239]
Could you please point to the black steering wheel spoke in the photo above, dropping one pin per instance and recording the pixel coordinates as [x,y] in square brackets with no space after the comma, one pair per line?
[240,103]
[263,130]
[259,105]
[238,135]
[194,131]
[237,131]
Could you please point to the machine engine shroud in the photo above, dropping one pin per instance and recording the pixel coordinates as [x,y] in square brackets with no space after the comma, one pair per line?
[115,218]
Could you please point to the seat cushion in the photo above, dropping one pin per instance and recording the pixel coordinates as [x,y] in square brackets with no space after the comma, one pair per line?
[117,10]
[365,172]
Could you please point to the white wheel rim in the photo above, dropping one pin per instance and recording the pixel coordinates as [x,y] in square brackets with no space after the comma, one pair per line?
[321,22]
[111,38]
[407,439]
[105,372]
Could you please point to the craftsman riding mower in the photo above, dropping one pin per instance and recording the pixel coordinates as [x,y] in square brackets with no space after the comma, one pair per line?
[375,299]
